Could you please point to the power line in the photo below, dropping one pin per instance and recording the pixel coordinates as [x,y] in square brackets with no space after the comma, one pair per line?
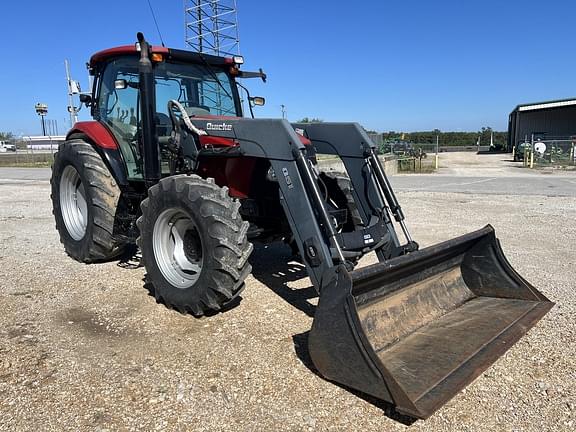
[156,23]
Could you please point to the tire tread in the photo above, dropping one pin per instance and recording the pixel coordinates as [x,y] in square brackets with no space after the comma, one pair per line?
[104,193]
[229,266]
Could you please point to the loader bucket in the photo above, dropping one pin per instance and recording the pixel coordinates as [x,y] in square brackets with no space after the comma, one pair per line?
[417,329]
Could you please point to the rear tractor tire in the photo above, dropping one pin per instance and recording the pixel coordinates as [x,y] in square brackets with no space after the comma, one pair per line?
[194,244]
[84,200]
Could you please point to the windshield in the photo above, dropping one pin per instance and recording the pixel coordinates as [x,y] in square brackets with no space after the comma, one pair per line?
[196,87]
[200,89]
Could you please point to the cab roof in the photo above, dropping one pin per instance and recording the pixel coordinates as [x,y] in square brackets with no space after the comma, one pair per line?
[170,54]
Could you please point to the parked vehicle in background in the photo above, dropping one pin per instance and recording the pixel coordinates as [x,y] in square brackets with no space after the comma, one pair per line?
[397,147]
[521,148]
[4,147]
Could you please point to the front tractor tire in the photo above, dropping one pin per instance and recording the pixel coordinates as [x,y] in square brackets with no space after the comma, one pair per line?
[84,201]
[339,195]
[194,244]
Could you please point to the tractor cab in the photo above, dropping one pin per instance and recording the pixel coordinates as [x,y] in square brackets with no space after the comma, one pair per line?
[204,85]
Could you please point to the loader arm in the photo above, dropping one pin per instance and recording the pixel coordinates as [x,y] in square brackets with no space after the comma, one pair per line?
[371,187]
[320,246]
[276,141]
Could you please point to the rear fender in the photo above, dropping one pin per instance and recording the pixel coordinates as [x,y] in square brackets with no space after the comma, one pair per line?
[99,134]
[105,144]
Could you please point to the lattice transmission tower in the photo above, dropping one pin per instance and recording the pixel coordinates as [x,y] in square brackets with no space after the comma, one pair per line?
[212,26]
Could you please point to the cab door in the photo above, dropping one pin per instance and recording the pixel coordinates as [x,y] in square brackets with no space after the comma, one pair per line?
[118,109]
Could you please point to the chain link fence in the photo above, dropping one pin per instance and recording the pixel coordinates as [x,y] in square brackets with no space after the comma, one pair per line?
[410,157]
[32,151]
[550,152]
[416,158]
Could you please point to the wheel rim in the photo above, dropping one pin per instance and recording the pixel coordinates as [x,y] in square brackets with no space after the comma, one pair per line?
[73,203]
[177,248]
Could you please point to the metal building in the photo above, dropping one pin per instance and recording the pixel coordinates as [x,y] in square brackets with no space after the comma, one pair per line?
[542,120]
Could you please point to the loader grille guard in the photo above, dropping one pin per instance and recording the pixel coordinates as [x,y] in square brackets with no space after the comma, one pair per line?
[413,329]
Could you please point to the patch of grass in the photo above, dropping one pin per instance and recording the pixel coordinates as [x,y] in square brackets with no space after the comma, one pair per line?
[325,157]
[26,160]
[45,164]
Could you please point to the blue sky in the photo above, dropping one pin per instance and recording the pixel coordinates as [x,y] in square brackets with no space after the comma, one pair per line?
[390,65]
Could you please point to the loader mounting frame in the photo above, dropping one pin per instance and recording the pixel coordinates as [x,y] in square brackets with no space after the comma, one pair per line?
[278,142]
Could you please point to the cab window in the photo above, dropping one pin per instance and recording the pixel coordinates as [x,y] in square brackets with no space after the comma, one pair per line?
[119,110]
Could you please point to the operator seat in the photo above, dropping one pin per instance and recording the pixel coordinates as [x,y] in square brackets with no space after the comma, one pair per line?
[163,124]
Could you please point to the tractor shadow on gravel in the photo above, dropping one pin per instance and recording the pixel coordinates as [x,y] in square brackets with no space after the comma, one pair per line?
[131,259]
[273,266]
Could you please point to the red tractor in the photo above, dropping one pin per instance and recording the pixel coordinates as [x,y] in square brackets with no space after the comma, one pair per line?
[170,163]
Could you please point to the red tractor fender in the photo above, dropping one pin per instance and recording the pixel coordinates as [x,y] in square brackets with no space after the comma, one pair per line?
[99,134]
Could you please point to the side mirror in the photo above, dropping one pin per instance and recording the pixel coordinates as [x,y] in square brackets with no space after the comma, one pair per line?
[85,99]
[120,84]
[258,101]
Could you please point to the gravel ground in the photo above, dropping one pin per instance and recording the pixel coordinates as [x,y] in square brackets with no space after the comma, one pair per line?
[84,348]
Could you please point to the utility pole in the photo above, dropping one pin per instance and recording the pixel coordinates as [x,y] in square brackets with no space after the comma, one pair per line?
[531,151]
[436,161]
[211,27]
[53,127]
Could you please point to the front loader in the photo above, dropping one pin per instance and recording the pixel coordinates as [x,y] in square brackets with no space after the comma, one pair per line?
[170,163]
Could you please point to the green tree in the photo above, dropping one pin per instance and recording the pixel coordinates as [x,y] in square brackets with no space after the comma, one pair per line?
[5,136]
[310,120]
[447,138]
